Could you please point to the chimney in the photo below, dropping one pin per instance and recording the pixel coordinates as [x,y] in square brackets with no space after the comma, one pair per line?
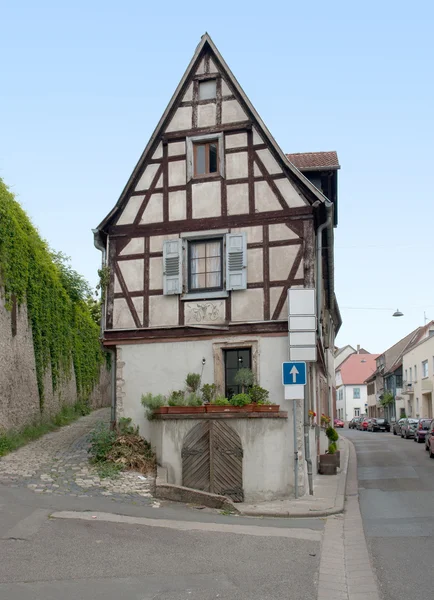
[358,348]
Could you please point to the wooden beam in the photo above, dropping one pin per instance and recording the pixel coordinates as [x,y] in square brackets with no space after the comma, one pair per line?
[241,126]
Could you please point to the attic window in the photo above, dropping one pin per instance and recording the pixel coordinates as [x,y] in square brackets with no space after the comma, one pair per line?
[207,89]
[206,158]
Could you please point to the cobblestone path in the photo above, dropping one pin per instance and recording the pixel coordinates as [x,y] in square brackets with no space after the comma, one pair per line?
[57,463]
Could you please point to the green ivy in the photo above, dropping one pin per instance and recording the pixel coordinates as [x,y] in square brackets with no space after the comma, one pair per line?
[65,335]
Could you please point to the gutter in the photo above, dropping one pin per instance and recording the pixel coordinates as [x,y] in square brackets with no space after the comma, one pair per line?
[99,245]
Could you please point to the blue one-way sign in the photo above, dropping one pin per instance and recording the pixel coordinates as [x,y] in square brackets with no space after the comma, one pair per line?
[294,373]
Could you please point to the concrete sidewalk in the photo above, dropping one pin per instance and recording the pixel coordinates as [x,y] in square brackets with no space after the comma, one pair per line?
[328,498]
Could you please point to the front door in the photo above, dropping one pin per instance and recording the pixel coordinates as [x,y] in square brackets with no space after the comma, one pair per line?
[235,359]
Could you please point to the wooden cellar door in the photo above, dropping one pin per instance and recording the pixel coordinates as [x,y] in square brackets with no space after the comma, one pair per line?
[226,462]
[212,460]
[196,458]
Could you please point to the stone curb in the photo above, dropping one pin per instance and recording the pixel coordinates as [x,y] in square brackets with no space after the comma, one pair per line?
[178,493]
[335,510]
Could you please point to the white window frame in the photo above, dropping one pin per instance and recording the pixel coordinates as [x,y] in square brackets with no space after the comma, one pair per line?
[354,396]
[205,138]
[424,369]
[357,412]
[415,373]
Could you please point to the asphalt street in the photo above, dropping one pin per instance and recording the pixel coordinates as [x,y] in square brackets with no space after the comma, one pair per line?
[165,553]
[396,493]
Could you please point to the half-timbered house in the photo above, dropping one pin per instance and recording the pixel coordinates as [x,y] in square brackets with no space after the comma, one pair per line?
[212,229]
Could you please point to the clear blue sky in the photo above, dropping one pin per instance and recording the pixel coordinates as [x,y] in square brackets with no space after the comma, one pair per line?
[83,85]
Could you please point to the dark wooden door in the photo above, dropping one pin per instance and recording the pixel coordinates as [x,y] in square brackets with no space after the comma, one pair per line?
[212,460]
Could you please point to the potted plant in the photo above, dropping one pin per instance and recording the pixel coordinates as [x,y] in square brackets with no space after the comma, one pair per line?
[154,405]
[312,415]
[192,382]
[219,404]
[181,403]
[329,462]
[244,378]
[325,420]
[209,392]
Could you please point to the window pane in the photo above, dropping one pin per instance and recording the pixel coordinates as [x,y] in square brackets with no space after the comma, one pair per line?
[207,89]
[244,356]
[200,168]
[213,158]
[231,359]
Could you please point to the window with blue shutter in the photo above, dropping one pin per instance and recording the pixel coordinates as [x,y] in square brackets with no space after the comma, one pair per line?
[172,267]
[236,261]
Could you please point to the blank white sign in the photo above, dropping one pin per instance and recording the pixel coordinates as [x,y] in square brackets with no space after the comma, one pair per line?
[302,338]
[302,323]
[307,353]
[301,302]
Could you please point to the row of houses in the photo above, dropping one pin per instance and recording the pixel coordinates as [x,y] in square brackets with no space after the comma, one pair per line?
[399,382]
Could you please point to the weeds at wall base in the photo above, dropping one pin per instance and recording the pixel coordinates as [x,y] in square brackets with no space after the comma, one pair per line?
[13,439]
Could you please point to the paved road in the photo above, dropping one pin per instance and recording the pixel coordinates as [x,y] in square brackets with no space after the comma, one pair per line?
[396,491]
[160,551]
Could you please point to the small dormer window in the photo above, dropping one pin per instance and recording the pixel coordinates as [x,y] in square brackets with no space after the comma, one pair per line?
[207,89]
[206,158]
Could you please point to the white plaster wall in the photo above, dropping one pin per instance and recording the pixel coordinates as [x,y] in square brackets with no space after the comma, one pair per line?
[177,173]
[156,241]
[281,261]
[236,165]
[132,271]
[177,205]
[156,273]
[188,96]
[153,213]
[122,317]
[238,199]
[182,119]
[206,115]
[158,152]
[163,311]
[147,177]
[232,112]
[162,367]
[129,213]
[248,305]
[254,234]
[266,446]
[135,246]
[281,232]
[176,148]
[236,140]
[269,161]
[275,293]
[348,403]
[256,137]
[255,270]
[265,198]
[206,199]
[290,194]
[225,88]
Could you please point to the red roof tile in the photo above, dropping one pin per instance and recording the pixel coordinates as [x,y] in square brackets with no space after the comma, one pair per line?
[312,161]
[357,368]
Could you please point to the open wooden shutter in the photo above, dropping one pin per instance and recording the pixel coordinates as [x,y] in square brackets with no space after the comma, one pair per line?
[172,267]
[236,261]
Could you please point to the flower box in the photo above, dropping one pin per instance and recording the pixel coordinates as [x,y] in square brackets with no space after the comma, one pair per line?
[215,408]
[161,411]
[264,407]
[185,410]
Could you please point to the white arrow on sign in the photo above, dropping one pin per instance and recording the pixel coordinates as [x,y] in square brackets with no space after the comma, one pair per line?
[294,372]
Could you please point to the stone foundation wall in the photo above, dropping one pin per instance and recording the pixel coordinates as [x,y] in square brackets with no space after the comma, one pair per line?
[19,398]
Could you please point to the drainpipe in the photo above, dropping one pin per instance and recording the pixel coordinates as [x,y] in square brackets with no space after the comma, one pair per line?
[98,243]
[307,391]
[294,417]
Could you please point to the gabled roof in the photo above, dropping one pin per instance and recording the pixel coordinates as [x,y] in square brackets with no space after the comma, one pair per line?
[357,368]
[315,161]
[207,45]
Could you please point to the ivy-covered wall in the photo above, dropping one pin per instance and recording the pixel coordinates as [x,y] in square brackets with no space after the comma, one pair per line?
[39,292]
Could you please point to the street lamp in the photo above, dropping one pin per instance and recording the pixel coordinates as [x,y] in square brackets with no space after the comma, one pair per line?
[398,313]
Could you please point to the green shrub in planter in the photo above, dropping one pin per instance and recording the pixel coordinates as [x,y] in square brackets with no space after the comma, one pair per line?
[220,401]
[193,382]
[209,392]
[177,398]
[240,400]
[332,448]
[332,434]
[245,378]
[194,400]
[258,394]
[151,402]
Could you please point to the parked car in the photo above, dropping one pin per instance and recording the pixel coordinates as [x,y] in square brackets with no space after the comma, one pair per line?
[421,430]
[379,424]
[338,423]
[408,428]
[363,424]
[429,439]
[353,423]
[397,427]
